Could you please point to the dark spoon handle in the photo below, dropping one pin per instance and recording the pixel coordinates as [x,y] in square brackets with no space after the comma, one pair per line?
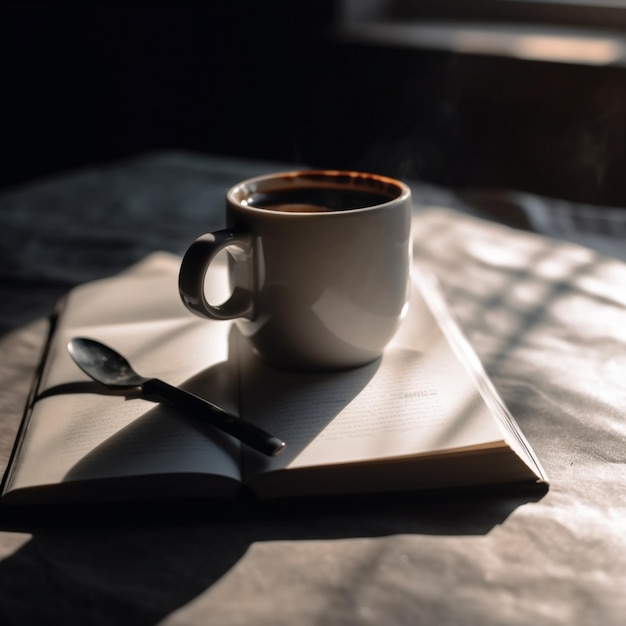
[194,405]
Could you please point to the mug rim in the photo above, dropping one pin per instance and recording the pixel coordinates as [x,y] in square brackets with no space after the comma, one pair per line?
[319,177]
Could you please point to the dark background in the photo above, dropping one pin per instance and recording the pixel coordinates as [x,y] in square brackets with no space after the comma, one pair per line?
[91,81]
[88,82]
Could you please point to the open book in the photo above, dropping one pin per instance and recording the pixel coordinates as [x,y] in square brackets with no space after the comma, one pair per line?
[423,416]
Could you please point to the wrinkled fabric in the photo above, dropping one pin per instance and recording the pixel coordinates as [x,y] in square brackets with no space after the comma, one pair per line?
[547,319]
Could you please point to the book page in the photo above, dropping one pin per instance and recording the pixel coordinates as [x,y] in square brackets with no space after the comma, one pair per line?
[417,399]
[79,432]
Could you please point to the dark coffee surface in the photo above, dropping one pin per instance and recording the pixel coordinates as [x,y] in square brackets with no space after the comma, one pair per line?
[316,200]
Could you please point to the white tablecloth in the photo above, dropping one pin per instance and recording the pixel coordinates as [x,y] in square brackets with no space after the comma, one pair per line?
[548,320]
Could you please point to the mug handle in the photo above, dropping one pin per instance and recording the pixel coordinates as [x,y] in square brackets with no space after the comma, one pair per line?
[194,267]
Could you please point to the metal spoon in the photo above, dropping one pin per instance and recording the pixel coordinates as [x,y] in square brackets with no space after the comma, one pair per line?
[109,368]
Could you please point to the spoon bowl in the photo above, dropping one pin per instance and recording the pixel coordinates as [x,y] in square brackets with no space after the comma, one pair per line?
[103,364]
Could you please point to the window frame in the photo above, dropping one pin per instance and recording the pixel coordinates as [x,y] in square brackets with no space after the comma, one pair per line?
[596,14]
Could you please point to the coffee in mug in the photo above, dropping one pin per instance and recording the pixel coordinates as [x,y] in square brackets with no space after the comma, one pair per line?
[319,266]
[315,200]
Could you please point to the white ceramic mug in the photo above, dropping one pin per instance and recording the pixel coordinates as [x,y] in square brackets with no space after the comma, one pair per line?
[319,266]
